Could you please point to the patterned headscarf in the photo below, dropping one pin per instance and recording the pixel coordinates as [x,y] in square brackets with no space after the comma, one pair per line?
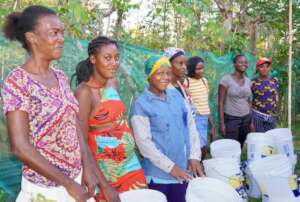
[172,53]
[154,63]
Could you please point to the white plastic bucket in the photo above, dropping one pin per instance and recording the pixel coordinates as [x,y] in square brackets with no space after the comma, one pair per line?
[284,142]
[207,189]
[259,145]
[280,189]
[227,170]
[143,195]
[252,187]
[275,165]
[227,148]
[275,178]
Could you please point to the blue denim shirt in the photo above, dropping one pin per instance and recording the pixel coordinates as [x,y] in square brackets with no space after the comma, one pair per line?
[168,124]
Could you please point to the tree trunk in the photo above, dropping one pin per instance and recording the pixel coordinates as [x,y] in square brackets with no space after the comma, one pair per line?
[249,25]
[198,14]
[118,26]
[16,3]
[99,30]
[225,8]
[165,22]
[252,36]
[177,27]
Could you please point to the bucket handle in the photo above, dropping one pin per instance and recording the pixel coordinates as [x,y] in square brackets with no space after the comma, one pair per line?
[241,177]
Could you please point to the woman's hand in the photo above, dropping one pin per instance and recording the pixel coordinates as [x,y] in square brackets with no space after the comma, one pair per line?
[77,191]
[89,180]
[222,129]
[195,167]
[180,174]
[212,133]
[111,195]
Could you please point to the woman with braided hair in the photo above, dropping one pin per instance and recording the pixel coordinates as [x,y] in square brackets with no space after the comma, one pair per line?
[102,115]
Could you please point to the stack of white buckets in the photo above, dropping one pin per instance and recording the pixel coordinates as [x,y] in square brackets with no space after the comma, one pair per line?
[269,170]
[270,167]
[225,165]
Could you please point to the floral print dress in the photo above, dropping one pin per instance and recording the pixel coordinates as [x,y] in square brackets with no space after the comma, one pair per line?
[52,115]
[113,145]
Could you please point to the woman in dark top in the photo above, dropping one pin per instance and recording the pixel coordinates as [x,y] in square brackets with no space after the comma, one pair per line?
[265,97]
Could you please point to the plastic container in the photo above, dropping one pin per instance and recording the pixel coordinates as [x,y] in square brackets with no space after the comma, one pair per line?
[259,145]
[227,170]
[251,187]
[207,189]
[284,143]
[226,148]
[143,195]
[275,178]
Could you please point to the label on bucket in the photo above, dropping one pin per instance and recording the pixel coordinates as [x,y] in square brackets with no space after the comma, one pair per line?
[267,151]
[294,184]
[236,183]
[265,198]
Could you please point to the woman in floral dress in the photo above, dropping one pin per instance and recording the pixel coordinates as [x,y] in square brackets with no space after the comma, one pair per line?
[103,118]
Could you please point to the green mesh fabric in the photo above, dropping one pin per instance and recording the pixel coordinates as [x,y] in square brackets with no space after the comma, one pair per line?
[132,81]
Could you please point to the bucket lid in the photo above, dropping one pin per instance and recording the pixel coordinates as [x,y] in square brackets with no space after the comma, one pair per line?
[257,137]
[280,133]
[207,189]
[222,167]
[222,163]
[143,195]
[224,145]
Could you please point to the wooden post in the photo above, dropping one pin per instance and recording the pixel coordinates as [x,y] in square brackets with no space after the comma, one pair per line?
[290,64]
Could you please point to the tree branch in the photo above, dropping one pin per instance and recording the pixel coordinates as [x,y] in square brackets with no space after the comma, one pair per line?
[108,13]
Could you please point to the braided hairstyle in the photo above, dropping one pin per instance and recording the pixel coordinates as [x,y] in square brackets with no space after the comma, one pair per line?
[18,23]
[84,69]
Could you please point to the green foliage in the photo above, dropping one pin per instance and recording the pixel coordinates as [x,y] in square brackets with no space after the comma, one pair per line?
[3,195]
[124,6]
[3,9]
[193,25]
[76,18]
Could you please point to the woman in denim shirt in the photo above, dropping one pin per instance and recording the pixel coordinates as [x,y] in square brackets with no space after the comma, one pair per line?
[165,133]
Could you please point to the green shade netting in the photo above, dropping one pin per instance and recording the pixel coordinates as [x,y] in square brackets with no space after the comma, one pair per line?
[132,81]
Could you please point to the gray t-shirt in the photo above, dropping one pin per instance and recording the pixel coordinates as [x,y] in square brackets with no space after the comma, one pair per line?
[237,97]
